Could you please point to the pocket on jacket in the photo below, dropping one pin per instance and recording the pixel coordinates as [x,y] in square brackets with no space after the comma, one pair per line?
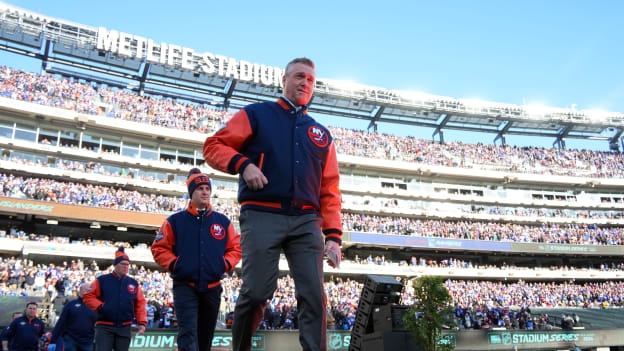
[181,271]
[106,312]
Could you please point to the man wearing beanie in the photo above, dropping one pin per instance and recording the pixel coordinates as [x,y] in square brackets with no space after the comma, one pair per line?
[290,200]
[117,298]
[197,246]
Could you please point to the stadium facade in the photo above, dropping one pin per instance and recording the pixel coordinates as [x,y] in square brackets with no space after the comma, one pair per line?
[76,122]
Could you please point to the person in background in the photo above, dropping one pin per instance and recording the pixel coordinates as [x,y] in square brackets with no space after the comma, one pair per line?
[151,311]
[117,298]
[3,336]
[24,332]
[76,325]
[197,246]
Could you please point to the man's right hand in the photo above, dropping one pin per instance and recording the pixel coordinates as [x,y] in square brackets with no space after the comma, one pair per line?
[254,177]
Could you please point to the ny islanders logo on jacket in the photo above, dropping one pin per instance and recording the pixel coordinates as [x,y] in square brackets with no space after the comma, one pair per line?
[318,136]
[217,231]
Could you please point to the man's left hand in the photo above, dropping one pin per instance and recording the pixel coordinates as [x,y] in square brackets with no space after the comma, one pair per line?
[334,256]
[141,330]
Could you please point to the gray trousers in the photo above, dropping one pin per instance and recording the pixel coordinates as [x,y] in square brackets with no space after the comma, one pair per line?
[263,235]
[112,338]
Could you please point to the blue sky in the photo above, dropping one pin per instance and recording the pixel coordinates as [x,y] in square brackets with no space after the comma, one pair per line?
[554,53]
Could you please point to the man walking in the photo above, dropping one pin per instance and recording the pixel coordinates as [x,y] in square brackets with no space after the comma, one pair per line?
[117,298]
[24,332]
[289,195]
[76,325]
[3,335]
[197,246]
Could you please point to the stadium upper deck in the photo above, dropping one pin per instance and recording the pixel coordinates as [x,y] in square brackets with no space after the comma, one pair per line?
[128,60]
[48,137]
[508,164]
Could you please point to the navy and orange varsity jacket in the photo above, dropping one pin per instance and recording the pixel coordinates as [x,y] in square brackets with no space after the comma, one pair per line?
[23,334]
[116,300]
[197,248]
[296,155]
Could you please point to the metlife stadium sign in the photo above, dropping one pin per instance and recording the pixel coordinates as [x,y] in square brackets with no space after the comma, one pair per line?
[179,57]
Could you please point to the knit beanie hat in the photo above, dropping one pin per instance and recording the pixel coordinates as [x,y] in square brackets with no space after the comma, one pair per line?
[120,255]
[195,179]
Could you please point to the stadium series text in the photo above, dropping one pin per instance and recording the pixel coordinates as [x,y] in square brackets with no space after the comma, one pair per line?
[133,46]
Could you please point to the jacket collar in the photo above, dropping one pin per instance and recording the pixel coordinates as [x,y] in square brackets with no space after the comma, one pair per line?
[287,105]
[194,211]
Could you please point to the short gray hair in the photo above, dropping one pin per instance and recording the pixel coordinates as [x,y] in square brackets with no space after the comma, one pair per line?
[304,60]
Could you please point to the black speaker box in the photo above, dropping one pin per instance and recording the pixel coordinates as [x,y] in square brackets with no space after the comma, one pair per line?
[389,341]
[378,298]
[382,284]
[389,318]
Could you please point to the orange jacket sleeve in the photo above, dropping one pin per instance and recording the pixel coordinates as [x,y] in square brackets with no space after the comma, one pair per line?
[92,297]
[232,250]
[140,310]
[162,247]
[331,199]
[221,150]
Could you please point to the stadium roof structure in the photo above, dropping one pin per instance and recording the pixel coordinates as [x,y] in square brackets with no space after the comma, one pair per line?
[132,62]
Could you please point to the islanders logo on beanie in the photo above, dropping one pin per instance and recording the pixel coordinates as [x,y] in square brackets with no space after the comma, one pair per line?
[120,255]
[195,179]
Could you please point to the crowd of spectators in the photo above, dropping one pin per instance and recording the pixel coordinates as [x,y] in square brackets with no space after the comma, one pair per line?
[46,89]
[379,202]
[103,169]
[86,98]
[536,294]
[376,202]
[380,260]
[108,197]
[88,195]
[162,112]
[481,317]
[576,234]
[15,233]
[493,157]
[478,304]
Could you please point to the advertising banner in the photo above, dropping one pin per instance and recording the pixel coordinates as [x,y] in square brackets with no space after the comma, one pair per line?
[434,243]
[599,250]
[288,340]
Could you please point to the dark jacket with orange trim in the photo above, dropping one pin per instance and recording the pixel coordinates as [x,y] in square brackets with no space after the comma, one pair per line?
[23,334]
[77,321]
[296,155]
[116,300]
[197,248]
